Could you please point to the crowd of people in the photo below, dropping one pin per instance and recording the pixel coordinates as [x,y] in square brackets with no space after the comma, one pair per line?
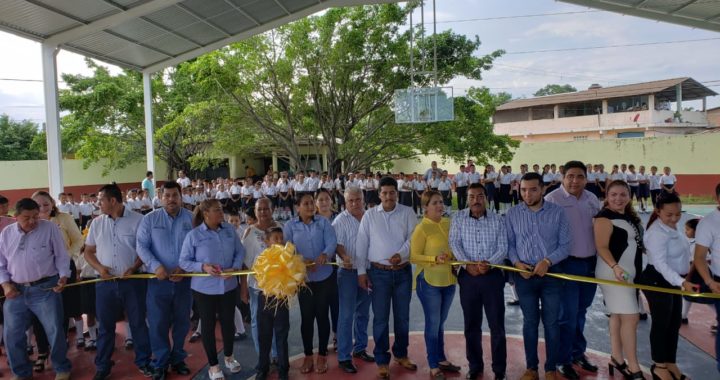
[574,219]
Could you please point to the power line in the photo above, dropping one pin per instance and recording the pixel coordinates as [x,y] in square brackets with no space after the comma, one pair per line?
[516,16]
[614,46]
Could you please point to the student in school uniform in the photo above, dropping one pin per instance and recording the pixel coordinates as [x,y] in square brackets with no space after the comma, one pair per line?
[643,189]
[654,184]
[668,181]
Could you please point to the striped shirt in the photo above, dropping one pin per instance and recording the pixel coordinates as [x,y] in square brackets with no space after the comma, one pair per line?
[382,234]
[346,229]
[478,239]
[536,235]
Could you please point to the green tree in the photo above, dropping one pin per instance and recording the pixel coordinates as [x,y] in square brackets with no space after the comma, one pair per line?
[16,140]
[553,89]
[329,80]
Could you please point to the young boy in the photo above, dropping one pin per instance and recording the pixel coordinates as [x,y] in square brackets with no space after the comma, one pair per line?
[272,320]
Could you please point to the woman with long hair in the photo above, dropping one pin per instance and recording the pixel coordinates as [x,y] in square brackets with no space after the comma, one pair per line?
[618,239]
[71,296]
[669,257]
[435,281]
[314,239]
[214,248]
[325,207]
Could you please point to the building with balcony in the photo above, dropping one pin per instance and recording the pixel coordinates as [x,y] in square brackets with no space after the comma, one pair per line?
[650,109]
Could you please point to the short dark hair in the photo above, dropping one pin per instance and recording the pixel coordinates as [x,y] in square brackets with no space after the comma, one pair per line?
[388,181]
[3,200]
[476,186]
[717,190]
[26,204]
[302,194]
[532,176]
[172,185]
[149,173]
[112,191]
[692,223]
[575,164]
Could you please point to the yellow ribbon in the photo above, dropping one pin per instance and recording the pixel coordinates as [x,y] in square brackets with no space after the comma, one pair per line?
[598,281]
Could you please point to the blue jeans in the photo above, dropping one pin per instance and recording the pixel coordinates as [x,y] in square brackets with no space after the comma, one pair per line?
[353,315]
[47,306]
[577,298]
[254,294]
[168,312]
[390,288]
[111,299]
[531,292]
[436,302]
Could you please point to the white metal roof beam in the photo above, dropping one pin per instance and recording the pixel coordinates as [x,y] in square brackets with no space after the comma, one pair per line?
[242,12]
[109,22]
[204,20]
[687,4]
[279,4]
[155,24]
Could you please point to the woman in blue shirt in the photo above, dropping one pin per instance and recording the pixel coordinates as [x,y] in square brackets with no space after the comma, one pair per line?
[314,239]
[214,248]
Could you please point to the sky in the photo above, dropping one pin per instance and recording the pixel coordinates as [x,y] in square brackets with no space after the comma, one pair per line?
[521,71]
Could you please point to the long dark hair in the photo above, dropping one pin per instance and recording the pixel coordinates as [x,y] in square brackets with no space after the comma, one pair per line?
[662,200]
[205,205]
[629,209]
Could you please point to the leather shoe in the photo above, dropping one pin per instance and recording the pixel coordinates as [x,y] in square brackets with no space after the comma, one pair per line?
[383,372]
[347,366]
[159,374]
[449,367]
[406,363]
[568,372]
[261,376]
[180,368]
[364,356]
[551,375]
[585,364]
[101,375]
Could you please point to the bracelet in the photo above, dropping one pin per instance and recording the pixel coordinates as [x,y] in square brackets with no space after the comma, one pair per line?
[613,267]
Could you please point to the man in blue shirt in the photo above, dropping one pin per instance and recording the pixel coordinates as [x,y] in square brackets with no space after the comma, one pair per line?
[538,240]
[169,300]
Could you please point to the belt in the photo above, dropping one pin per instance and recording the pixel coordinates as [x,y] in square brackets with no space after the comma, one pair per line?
[37,282]
[390,267]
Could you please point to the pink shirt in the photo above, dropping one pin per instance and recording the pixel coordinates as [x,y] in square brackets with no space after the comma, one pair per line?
[5,221]
[30,256]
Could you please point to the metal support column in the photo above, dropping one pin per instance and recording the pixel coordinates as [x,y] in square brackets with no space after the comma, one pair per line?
[678,96]
[52,119]
[149,147]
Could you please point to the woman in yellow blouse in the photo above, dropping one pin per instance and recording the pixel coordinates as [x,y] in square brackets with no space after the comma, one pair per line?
[434,279]
[71,296]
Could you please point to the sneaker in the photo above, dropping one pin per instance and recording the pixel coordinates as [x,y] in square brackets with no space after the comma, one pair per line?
[180,368]
[215,375]
[239,336]
[146,370]
[232,365]
[79,343]
[194,337]
[129,344]
[90,345]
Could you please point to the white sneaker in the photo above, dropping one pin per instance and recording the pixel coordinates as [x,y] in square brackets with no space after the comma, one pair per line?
[232,365]
[215,375]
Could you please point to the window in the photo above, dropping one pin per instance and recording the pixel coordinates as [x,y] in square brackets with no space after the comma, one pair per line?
[580,138]
[630,135]
[581,109]
[628,104]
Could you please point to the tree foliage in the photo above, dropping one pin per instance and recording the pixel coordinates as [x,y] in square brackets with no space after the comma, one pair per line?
[323,83]
[553,89]
[16,140]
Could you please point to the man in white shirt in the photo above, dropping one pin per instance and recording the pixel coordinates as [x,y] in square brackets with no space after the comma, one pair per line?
[473,176]
[183,180]
[313,182]
[354,302]
[64,205]
[461,183]
[110,250]
[707,239]
[383,253]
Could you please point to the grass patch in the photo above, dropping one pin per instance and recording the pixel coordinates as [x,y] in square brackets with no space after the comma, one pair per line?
[697,199]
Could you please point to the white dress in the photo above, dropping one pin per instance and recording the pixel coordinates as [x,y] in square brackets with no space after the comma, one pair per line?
[624,242]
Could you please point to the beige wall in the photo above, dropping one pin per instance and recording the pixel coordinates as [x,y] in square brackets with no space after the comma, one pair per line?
[34,174]
[693,154]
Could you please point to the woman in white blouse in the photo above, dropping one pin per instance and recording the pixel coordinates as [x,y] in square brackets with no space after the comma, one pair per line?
[668,254]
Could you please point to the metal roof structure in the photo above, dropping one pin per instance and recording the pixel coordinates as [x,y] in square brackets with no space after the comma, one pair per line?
[701,14]
[664,90]
[149,35]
